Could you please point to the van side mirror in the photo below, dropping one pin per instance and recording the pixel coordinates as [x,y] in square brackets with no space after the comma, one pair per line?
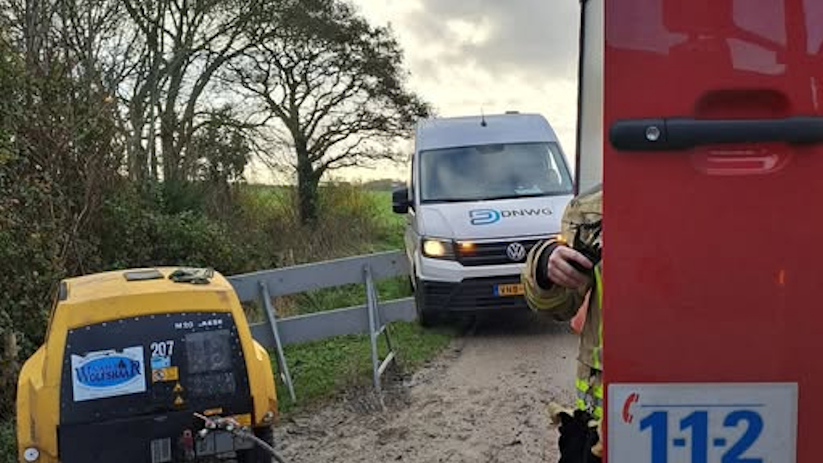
[400,201]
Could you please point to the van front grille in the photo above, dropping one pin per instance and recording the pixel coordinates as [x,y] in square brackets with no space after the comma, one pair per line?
[493,253]
[471,294]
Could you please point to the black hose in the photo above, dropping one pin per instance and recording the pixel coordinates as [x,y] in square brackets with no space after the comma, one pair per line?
[232,427]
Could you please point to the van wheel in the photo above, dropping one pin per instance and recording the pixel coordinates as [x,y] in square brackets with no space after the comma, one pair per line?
[426,318]
[259,454]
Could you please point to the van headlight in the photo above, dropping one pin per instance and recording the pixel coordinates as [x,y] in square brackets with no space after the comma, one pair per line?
[438,249]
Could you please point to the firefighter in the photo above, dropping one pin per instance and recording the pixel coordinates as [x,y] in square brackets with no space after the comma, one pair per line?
[558,276]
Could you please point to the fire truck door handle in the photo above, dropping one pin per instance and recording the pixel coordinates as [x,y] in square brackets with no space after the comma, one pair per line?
[676,134]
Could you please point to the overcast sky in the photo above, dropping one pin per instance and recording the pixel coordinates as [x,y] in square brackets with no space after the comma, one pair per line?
[494,55]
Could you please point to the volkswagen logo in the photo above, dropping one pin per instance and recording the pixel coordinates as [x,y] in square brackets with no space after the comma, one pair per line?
[516,252]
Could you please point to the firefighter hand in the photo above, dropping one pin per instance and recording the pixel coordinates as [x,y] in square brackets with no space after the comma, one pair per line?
[597,449]
[562,272]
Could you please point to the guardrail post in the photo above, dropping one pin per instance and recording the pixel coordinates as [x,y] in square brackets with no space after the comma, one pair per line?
[276,333]
[376,328]
[372,329]
[285,376]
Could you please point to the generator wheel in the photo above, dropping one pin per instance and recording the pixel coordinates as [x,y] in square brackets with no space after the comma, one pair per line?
[259,454]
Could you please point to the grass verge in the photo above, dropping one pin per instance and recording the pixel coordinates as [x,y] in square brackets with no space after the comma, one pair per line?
[337,298]
[324,368]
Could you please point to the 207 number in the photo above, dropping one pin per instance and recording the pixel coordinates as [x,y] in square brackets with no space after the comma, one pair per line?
[162,349]
[698,423]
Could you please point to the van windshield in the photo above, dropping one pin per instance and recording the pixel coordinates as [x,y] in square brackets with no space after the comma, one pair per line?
[486,172]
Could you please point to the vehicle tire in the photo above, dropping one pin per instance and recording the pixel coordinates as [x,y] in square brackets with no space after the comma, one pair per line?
[259,454]
[427,318]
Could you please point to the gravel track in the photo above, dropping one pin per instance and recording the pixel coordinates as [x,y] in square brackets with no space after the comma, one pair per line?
[482,400]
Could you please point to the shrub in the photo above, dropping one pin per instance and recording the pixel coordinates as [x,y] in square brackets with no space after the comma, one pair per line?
[32,247]
[8,441]
[139,232]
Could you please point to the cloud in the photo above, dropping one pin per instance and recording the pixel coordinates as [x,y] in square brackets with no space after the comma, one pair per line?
[465,56]
[533,38]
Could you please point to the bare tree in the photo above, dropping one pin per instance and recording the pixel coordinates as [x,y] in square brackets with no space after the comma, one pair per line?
[185,44]
[335,84]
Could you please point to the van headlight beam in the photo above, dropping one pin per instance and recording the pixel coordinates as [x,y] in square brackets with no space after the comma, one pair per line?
[438,249]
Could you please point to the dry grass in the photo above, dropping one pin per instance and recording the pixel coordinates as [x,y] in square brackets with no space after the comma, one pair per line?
[353,221]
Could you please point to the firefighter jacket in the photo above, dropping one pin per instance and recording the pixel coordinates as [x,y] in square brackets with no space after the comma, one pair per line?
[581,218]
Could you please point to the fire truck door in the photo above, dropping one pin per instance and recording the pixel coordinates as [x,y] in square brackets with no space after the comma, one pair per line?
[713,213]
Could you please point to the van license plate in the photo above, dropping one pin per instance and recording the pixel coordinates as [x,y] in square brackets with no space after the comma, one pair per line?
[509,290]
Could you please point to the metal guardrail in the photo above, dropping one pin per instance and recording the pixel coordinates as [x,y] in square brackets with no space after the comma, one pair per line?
[320,275]
[371,318]
[338,322]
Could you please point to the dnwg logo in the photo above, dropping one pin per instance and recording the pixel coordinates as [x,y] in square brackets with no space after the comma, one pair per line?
[484,216]
[490,216]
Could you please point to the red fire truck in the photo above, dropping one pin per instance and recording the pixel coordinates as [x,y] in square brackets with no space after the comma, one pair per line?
[706,118]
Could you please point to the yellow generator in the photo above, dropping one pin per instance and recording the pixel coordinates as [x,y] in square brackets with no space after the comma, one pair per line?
[138,365]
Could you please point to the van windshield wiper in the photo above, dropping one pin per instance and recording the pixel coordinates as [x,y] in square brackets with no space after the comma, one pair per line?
[449,200]
[492,198]
[515,196]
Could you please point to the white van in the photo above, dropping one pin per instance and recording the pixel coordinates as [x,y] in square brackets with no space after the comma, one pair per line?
[483,191]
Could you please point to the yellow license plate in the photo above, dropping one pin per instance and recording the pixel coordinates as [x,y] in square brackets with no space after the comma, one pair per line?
[509,290]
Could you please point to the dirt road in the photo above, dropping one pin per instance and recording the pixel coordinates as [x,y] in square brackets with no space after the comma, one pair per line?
[483,400]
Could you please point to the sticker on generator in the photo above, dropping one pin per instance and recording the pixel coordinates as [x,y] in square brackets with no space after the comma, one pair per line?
[110,373]
[165,374]
[160,362]
[702,423]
